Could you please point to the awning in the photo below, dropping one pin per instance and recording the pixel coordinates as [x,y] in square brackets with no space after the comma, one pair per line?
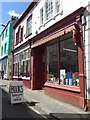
[73,27]
[4,58]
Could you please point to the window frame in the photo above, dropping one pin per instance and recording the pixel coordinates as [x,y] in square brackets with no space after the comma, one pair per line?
[49,5]
[56,6]
[59,81]
[42,15]
[29,26]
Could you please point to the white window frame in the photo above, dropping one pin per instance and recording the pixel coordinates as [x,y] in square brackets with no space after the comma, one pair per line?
[29,26]
[57,6]
[49,9]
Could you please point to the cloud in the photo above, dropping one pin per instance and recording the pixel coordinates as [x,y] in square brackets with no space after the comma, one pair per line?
[13,13]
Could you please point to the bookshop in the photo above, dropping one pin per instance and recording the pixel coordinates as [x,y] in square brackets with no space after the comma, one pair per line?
[57,56]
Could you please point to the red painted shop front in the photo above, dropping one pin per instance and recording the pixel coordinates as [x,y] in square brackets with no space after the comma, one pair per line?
[57,60]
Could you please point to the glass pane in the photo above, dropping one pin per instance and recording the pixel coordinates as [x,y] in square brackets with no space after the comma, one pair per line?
[52,64]
[69,73]
[24,65]
[49,9]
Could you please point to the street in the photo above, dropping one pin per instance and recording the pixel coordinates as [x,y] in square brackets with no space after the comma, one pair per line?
[17,110]
[37,106]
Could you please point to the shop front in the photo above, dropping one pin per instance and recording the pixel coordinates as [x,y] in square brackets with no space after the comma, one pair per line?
[21,64]
[58,62]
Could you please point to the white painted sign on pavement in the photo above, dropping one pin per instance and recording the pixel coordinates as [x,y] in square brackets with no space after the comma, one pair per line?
[16,92]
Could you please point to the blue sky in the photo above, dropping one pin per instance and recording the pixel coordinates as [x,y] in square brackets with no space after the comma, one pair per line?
[7,9]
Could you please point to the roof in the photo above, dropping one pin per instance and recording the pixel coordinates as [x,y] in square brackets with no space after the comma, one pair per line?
[5,27]
[25,13]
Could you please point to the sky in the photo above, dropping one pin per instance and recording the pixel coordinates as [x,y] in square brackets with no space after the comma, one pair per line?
[9,8]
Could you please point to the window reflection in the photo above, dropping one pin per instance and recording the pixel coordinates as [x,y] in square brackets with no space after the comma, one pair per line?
[52,63]
[62,63]
[69,74]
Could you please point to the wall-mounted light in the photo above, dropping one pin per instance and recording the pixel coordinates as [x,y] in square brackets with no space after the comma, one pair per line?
[75,43]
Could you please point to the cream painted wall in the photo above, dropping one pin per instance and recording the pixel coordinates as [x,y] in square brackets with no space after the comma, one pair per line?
[67,6]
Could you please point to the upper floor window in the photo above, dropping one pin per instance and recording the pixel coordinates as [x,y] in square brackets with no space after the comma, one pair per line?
[19,35]
[6,33]
[41,16]
[22,33]
[29,26]
[3,36]
[2,51]
[5,47]
[49,9]
[57,6]
[16,38]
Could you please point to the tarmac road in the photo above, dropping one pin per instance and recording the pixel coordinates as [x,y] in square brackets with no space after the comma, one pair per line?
[17,110]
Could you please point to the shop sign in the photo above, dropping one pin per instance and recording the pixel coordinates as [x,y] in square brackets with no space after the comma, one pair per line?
[16,92]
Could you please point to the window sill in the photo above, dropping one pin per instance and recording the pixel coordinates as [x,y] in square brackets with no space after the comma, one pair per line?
[52,18]
[63,87]
[43,25]
[26,78]
[28,35]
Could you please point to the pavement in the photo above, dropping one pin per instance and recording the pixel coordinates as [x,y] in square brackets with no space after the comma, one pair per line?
[47,106]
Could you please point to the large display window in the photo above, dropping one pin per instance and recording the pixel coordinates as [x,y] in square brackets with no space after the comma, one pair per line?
[62,63]
[52,63]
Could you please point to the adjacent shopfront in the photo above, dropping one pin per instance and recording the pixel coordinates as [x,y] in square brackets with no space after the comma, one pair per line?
[21,64]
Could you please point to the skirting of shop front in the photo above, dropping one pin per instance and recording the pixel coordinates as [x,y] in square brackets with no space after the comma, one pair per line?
[25,82]
[68,95]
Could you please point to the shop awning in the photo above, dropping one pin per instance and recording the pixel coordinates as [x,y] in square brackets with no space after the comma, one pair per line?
[4,58]
[71,28]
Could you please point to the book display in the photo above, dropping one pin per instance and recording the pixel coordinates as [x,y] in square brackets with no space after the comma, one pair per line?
[70,78]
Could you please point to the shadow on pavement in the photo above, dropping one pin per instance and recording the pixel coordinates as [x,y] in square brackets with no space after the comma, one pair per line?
[17,110]
[68,116]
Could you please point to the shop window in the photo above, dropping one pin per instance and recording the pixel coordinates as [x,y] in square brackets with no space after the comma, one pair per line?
[22,64]
[62,63]
[24,68]
[21,69]
[28,68]
[52,63]
[69,73]
[15,69]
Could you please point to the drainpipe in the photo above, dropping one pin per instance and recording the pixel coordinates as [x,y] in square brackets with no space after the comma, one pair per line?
[85,78]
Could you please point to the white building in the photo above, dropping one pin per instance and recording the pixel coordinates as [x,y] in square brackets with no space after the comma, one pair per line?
[51,49]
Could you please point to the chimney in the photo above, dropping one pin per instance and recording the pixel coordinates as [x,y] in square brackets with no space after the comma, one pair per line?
[14,19]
